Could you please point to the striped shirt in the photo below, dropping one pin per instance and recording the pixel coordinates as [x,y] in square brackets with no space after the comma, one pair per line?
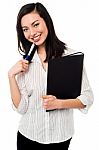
[37,124]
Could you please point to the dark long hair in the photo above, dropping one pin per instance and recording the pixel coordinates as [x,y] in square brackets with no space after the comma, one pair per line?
[53,46]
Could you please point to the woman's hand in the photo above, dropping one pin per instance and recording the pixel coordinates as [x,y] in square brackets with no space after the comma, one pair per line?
[20,66]
[50,102]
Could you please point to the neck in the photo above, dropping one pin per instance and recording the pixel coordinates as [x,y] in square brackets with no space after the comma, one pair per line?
[42,53]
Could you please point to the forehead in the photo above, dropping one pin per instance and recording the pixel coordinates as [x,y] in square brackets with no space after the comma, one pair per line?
[30,18]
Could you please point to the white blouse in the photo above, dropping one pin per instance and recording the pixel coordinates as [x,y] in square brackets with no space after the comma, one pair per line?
[37,124]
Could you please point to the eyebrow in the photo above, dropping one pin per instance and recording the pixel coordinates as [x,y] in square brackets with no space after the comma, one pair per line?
[31,24]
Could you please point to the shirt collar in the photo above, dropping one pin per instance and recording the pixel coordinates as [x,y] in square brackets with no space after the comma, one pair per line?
[36,57]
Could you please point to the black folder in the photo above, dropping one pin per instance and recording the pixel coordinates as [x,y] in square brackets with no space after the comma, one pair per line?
[64,76]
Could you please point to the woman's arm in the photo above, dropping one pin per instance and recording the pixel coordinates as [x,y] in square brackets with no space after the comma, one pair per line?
[82,102]
[71,103]
[51,102]
[14,90]
[20,66]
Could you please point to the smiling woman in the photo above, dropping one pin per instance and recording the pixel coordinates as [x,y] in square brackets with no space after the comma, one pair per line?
[34,28]
[28,84]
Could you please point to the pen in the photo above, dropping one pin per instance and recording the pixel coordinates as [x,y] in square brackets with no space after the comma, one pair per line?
[29,54]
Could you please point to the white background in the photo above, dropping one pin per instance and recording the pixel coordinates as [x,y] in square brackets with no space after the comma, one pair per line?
[76,23]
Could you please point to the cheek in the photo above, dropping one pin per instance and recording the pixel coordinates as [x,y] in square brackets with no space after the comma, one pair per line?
[46,33]
[43,29]
[26,35]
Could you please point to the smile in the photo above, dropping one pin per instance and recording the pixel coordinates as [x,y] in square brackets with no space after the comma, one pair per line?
[36,38]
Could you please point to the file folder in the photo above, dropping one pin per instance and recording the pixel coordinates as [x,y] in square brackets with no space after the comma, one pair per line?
[64,76]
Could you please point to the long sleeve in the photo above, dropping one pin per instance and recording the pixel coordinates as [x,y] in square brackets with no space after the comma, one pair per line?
[86,96]
[23,105]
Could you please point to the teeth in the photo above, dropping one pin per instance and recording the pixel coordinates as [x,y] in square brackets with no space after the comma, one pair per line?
[36,38]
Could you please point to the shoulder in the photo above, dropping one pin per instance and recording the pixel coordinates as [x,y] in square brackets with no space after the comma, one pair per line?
[69,51]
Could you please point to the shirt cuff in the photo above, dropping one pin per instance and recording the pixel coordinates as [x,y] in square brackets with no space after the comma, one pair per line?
[22,107]
[87,102]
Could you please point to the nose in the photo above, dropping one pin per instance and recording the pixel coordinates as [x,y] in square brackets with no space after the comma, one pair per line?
[32,32]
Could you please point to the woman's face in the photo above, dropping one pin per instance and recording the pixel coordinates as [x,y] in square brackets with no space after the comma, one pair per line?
[34,28]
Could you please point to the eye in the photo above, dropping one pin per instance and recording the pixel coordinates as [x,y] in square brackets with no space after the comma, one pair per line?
[25,30]
[36,24]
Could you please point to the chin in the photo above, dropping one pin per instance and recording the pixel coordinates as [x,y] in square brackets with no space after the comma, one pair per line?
[39,43]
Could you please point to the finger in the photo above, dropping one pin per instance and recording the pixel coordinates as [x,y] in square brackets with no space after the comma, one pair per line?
[25,66]
[46,100]
[45,105]
[23,70]
[25,61]
[46,96]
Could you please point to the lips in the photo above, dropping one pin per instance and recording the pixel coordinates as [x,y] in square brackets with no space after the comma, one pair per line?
[36,38]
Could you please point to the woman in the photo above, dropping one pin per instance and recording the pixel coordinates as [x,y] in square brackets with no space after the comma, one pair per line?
[28,90]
